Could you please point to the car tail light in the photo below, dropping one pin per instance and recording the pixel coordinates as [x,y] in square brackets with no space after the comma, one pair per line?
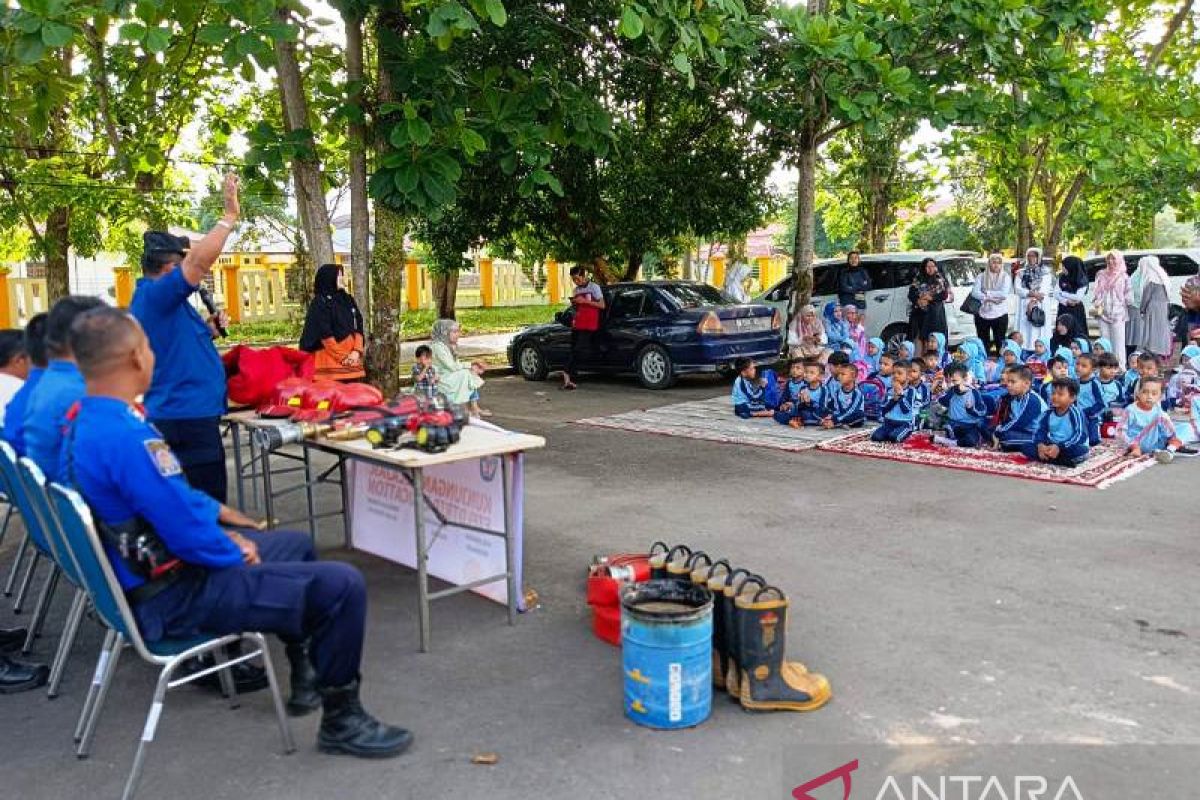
[710,325]
[776,320]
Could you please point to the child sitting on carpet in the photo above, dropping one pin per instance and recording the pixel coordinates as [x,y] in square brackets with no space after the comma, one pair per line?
[899,418]
[1036,361]
[922,394]
[1062,434]
[1187,402]
[1091,397]
[887,363]
[845,404]
[837,360]
[932,374]
[790,394]
[1145,365]
[966,412]
[1147,430]
[1056,369]
[874,354]
[809,408]
[1020,411]
[1017,338]
[936,344]
[1111,385]
[753,396]
[1102,346]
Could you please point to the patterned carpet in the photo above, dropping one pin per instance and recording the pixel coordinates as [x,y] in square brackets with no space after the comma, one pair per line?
[713,421]
[1106,465]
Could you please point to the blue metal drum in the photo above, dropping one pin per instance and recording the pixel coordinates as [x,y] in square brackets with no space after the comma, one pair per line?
[666,653]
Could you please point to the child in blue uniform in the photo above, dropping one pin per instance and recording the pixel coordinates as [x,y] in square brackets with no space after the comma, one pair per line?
[1056,369]
[1091,397]
[1146,429]
[899,417]
[1111,386]
[14,414]
[1145,366]
[753,396]
[921,393]
[874,354]
[1062,434]
[809,406]
[1020,412]
[789,396]
[965,408]
[845,405]
[211,580]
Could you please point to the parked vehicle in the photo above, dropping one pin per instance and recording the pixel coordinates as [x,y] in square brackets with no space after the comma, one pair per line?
[1178,264]
[657,330]
[887,302]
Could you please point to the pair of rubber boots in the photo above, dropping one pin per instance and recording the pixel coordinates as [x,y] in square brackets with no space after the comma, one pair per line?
[749,633]
[346,727]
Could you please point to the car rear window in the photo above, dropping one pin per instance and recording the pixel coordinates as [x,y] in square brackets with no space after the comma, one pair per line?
[694,295]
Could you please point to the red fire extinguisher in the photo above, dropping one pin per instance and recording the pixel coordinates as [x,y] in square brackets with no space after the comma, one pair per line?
[606,576]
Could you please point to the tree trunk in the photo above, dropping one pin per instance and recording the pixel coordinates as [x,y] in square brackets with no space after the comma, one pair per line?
[687,272]
[148,183]
[57,242]
[1057,221]
[306,167]
[1021,192]
[633,266]
[387,257]
[360,220]
[802,251]
[445,293]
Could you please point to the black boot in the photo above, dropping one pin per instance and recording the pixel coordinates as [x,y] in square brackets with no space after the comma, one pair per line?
[305,698]
[713,579]
[768,682]
[347,729]
[16,676]
[733,584]
[12,639]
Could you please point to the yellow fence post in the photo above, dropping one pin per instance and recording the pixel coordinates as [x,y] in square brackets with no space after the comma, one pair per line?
[123,286]
[764,271]
[6,315]
[412,283]
[233,291]
[553,287]
[717,278]
[487,283]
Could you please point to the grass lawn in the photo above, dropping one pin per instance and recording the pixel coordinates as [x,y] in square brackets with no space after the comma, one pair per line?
[416,324]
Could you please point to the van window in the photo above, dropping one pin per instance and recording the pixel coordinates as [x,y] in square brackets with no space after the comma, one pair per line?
[782,291]
[825,280]
[959,271]
[881,274]
[1178,265]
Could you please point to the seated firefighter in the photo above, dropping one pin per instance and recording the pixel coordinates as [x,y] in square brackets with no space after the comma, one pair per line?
[209,579]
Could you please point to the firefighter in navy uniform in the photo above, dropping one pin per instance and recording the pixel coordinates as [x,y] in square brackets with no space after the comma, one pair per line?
[187,396]
[184,569]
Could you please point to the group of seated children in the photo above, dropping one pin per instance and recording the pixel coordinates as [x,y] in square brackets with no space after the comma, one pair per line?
[1049,407]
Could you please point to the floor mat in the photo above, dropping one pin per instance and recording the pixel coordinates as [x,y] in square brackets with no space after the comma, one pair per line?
[1106,465]
[713,421]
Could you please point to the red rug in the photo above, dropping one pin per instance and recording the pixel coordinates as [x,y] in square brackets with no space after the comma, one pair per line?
[1106,465]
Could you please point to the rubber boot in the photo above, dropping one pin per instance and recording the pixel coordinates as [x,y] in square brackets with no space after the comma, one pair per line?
[678,556]
[682,570]
[304,699]
[713,579]
[768,682]
[347,729]
[658,560]
[737,579]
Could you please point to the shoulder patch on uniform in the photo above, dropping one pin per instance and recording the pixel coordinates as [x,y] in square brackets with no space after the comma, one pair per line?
[164,460]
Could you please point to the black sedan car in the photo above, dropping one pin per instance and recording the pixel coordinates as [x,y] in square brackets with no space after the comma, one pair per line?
[657,330]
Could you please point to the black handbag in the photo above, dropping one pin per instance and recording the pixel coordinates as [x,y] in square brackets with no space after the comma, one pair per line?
[971,305]
[1036,316]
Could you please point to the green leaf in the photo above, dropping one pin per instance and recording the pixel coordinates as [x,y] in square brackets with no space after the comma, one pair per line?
[55,34]
[30,48]
[496,12]
[213,33]
[682,63]
[132,31]
[419,131]
[554,184]
[158,40]
[472,142]
[398,136]
[407,177]
[631,23]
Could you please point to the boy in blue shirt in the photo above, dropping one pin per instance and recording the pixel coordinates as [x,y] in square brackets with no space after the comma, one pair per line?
[753,396]
[845,403]
[790,393]
[1091,398]
[1020,411]
[1062,435]
[899,414]
[810,405]
[966,410]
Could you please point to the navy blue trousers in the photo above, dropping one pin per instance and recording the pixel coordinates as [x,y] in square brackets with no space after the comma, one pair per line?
[891,431]
[290,594]
[967,434]
[1067,456]
[198,445]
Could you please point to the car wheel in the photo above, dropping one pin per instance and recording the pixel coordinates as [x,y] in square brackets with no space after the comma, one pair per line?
[654,368]
[531,364]
[893,335]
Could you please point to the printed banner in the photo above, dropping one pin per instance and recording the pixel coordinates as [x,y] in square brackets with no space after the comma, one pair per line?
[464,492]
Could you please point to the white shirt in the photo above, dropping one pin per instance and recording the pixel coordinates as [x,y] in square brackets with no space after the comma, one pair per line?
[9,384]
[994,302]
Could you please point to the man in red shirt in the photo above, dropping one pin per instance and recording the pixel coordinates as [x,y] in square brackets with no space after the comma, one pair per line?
[588,300]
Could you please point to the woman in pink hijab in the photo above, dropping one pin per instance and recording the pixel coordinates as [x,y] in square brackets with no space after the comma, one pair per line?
[1112,298]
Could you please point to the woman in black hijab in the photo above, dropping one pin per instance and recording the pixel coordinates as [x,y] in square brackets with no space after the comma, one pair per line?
[1071,287]
[333,328]
[927,298]
[1066,331]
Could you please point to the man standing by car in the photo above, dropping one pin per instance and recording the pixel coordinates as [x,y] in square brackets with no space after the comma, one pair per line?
[588,301]
[853,282]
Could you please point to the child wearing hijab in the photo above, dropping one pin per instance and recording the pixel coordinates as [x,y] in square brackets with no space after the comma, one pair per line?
[1010,356]
[1080,346]
[458,381]
[1036,361]
[858,331]
[837,329]
[937,343]
[1066,330]
[873,354]
[908,350]
[1101,346]
[333,328]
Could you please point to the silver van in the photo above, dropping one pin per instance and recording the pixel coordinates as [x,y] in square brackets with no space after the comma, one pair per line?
[887,303]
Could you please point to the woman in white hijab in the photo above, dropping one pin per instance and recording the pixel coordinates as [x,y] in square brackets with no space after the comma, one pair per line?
[1034,284]
[735,281]
[1152,301]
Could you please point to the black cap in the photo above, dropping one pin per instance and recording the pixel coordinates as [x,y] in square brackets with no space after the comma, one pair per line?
[163,242]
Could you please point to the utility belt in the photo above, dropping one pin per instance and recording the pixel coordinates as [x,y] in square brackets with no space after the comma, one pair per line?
[145,555]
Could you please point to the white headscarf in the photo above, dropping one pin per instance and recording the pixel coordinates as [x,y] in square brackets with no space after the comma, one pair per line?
[1148,271]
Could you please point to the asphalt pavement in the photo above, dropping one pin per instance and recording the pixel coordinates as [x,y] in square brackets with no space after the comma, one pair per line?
[953,612]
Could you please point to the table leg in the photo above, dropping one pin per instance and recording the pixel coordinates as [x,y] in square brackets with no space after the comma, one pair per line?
[252,441]
[510,544]
[347,522]
[235,433]
[268,490]
[308,495]
[418,483]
